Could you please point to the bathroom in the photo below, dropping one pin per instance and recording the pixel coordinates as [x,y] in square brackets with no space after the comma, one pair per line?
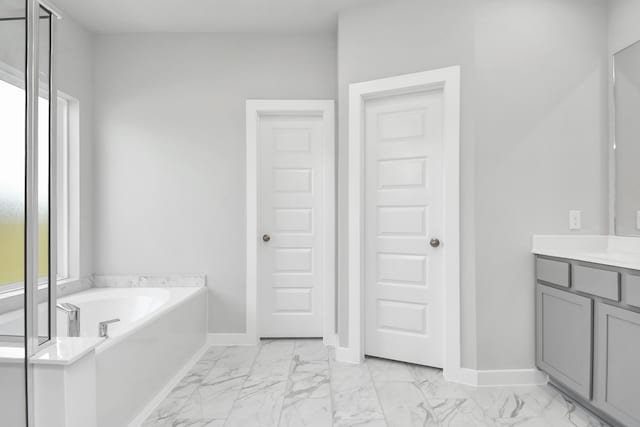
[319,213]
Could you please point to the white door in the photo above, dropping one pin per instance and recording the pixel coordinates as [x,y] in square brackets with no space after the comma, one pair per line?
[290,281]
[403,212]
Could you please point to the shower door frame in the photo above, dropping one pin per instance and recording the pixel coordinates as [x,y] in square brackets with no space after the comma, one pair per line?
[32,90]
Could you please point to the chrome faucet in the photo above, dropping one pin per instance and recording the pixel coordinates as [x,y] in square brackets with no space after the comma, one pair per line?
[103,327]
[73,315]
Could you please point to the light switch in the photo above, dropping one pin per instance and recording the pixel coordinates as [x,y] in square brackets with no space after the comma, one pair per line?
[575,220]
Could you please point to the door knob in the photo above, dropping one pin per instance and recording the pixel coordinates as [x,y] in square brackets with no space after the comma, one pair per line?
[266,237]
[434,243]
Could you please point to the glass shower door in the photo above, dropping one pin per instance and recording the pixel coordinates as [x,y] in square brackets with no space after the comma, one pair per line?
[27,201]
[13,404]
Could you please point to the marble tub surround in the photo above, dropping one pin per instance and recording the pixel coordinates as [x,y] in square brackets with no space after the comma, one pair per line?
[617,251]
[149,281]
[299,383]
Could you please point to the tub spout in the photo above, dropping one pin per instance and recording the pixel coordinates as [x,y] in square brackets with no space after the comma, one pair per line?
[73,315]
[103,328]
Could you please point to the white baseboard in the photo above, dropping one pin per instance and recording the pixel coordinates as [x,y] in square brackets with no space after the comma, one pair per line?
[162,394]
[462,376]
[231,339]
[511,377]
[496,378]
[347,355]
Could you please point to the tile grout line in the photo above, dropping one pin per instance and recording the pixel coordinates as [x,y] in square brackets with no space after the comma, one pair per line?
[425,398]
[375,390]
[199,384]
[286,386]
[253,362]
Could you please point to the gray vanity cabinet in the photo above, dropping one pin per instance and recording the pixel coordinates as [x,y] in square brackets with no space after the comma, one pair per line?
[564,338]
[588,335]
[617,360]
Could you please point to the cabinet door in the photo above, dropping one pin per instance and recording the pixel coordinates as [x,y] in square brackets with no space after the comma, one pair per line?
[617,366]
[563,337]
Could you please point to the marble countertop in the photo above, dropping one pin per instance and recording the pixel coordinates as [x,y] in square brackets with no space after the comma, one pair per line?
[615,251]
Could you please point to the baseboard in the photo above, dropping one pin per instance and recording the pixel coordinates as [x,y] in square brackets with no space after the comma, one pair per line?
[162,394]
[496,378]
[347,355]
[461,376]
[231,339]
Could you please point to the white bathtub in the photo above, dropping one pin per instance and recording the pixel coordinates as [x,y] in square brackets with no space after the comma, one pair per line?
[160,330]
[133,306]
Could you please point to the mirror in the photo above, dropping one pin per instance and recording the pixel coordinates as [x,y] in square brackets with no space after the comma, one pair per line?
[627,140]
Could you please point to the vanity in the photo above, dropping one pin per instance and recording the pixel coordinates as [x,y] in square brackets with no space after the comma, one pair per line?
[588,321]
[587,288]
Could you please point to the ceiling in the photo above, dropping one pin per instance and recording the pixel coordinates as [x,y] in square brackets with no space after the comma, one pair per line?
[270,16]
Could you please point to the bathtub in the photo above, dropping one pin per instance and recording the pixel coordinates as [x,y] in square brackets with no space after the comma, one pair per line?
[159,332]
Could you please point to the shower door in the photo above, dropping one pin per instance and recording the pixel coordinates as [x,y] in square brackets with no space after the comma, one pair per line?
[27,201]
[12,207]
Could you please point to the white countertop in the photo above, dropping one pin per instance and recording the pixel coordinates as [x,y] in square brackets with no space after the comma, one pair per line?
[615,251]
[61,351]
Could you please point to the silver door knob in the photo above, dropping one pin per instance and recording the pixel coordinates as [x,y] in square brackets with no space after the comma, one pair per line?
[266,237]
[434,243]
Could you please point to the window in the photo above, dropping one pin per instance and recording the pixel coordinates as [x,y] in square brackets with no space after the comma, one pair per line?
[12,152]
[12,101]
[63,188]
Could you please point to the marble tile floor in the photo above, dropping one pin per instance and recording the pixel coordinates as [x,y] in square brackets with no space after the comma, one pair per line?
[297,383]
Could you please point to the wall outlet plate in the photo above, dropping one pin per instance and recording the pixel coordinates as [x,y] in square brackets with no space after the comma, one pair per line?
[575,220]
[638,220]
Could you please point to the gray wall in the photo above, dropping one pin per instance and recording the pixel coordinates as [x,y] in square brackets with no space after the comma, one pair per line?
[623,23]
[534,123]
[541,132]
[170,149]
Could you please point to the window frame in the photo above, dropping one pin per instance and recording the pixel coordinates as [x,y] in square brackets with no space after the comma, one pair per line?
[11,76]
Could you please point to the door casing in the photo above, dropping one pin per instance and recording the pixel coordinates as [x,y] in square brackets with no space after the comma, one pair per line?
[254,110]
[447,80]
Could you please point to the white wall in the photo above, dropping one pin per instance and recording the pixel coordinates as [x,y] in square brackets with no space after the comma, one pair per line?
[170,149]
[534,130]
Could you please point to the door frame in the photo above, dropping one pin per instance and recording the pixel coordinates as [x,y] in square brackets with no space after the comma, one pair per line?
[447,79]
[254,110]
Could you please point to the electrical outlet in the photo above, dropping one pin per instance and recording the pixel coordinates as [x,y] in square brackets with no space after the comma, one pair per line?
[638,220]
[575,220]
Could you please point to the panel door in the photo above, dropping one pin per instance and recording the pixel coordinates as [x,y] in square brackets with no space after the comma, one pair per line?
[564,337]
[617,370]
[403,211]
[290,282]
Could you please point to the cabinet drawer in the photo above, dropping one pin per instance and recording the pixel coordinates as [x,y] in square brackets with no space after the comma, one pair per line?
[631,290]
[550,271]
[603,283]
